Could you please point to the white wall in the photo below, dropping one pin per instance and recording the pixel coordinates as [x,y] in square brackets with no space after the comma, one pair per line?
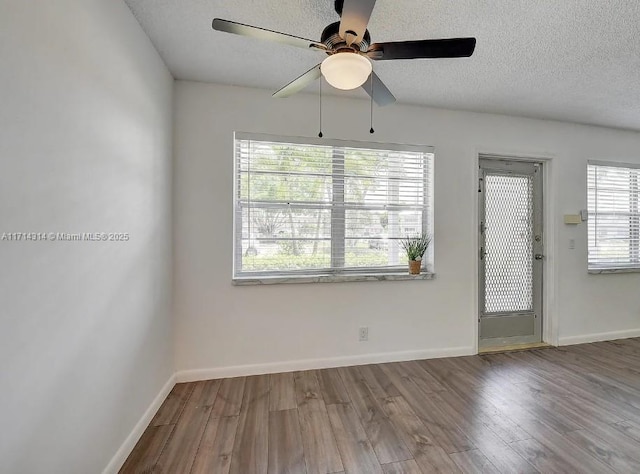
[220,326]
[85,146]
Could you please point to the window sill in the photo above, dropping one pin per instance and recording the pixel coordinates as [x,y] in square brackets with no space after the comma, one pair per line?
[601,271]
[331,278]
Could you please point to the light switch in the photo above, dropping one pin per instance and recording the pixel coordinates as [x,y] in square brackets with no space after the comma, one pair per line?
[572,244]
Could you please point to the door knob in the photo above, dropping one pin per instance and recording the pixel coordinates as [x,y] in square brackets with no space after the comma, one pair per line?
[538,256]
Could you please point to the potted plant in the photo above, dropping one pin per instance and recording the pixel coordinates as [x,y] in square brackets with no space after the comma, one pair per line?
[415,248]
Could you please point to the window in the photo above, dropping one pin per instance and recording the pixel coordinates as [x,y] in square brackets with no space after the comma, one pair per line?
[306,207]
[614,216]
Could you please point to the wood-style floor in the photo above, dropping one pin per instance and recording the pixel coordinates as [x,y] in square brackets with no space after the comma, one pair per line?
[573,410]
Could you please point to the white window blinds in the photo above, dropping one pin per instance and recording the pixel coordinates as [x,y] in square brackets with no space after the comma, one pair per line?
[305,206]
[614,216]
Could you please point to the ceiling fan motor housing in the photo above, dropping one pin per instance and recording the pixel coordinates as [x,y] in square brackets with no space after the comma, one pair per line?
[348,71]
[332,40]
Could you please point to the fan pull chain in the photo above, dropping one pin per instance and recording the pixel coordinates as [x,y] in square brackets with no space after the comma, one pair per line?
[371,130]
[320,134]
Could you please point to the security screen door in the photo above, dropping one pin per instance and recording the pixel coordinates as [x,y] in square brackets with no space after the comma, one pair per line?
[511,252]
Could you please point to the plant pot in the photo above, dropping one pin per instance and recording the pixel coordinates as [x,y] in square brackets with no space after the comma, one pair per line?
[415,266]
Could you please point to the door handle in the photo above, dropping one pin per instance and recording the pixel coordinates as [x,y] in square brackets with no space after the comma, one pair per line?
[483,253]
[538,256]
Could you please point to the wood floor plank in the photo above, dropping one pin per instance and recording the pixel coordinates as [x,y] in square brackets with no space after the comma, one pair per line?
[605,452]
[229,399]
[525,408]
[204,394]
[629,428]
[575,455]
[147,451]
[483,431]
[420,376]
[386,443]
[250,451]
[450,376]
[172,407]
[216,446]
[609,355]
[541,458]
[283,394]
[474,370]
[379,384]
[504,458]
[320,449]
[595,423]
[331,387]
[624,445]
[571,383]
[618,368]
[306,386]
[439,368]
[473,462]
[503,368]
[479,415]
[319,444]
[619,364]
[356,451]
[445,435]
[580,409]
[430,457]
[402,467]
[286,455]
[619,389]
[623,346]
[574,380]
[180,451]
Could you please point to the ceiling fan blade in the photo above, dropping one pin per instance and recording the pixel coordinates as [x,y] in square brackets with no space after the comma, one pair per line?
[381,95]
[435,48]
[299,83]
[264,34]
[355,18]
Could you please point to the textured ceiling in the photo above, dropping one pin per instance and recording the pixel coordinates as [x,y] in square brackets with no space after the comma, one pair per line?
[573,60]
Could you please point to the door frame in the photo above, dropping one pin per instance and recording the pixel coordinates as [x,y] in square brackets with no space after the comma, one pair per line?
[549,282]
[535,315]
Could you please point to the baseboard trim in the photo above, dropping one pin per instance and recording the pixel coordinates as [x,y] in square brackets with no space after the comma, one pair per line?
[309,364]
[125,449]
[598,337]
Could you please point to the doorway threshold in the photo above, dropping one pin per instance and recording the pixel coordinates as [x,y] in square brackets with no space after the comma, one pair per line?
[514,348]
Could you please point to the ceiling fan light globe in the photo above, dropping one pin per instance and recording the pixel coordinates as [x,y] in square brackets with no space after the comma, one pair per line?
[346,71]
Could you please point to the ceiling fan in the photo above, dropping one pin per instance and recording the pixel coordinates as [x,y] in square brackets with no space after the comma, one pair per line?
[350,51]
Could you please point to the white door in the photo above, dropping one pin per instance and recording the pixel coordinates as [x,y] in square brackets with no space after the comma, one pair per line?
[510,252]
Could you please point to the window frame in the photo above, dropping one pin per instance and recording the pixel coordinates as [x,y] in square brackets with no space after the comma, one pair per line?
[595,268]
[397,272]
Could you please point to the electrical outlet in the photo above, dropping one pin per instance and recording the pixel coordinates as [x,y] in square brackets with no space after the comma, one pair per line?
[363,334]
